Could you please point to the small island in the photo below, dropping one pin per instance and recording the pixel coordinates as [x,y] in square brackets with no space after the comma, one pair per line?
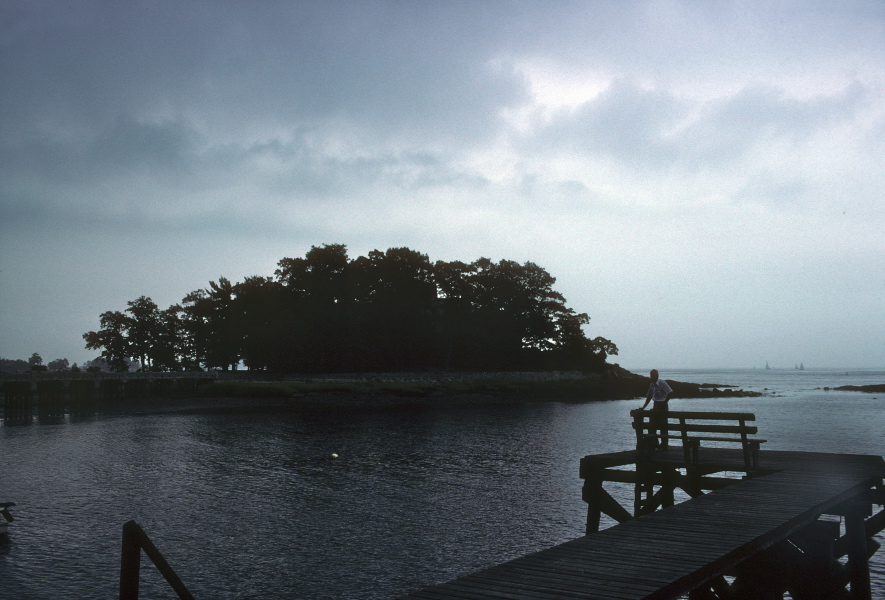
[388,328]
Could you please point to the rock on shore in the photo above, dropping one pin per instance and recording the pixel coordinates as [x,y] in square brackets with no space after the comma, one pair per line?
[870,389]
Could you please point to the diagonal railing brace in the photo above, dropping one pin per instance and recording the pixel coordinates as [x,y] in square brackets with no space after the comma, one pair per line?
[134,541]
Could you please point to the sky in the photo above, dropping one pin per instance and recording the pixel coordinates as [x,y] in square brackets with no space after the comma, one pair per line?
[704,179]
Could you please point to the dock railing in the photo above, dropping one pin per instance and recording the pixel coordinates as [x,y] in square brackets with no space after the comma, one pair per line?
[134,541]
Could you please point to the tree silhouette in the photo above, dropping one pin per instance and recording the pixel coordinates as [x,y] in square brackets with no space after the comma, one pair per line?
[111,339]
[317,302]
[392,310]
[143,329]
[210,326]
[264,321]
[59,364]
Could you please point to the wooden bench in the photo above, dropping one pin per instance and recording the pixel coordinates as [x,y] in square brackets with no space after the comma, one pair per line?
[692,428]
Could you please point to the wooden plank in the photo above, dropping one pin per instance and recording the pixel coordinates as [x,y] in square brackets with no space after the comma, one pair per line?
[711,415]
[521,576]
[704,428]
[546,582]
[727,439]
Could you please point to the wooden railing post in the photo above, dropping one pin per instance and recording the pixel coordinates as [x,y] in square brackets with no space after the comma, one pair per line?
[858,559]
[592,495]
[637,426]
[134,540]
[130,562]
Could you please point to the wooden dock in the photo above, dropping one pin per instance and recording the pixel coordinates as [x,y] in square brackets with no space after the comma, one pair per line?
[746,538]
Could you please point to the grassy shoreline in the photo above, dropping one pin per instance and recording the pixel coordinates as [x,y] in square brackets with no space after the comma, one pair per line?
[623,386]
[405,391]
[242,396]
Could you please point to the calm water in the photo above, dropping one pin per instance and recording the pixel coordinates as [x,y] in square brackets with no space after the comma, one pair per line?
[253,505]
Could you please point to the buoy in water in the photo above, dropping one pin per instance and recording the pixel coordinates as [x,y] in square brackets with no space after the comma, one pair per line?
[334,455]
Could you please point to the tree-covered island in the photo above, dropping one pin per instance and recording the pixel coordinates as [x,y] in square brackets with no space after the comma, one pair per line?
[388,311]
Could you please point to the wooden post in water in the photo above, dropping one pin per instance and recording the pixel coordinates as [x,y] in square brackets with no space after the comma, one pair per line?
[136,389]
[19,395]
[82,394]
[50,398]
[858,559]
[185,385]
[161,387]
[110,390]
[817,574]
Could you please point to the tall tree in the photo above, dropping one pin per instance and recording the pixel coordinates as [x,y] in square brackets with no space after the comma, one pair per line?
[397,299]
[262,316]
[318,303]
[155,337]
[197,314]
[223,333]
[143,329]
[112,339]
[453,311]
[170,352]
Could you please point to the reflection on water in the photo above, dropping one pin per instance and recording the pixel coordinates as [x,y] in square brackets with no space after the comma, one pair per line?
[254,505]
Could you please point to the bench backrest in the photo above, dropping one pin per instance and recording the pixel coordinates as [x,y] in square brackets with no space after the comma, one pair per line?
[697,422]
[693,428]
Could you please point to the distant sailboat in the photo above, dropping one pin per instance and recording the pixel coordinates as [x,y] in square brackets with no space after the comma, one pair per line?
[801,367]
[767,367]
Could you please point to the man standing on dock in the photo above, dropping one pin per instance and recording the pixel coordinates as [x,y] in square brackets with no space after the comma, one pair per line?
[659,391]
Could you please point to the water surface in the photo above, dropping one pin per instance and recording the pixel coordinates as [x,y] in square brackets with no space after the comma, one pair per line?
[254,505]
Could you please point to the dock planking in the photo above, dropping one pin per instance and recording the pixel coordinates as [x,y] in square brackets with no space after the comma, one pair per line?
[668,553]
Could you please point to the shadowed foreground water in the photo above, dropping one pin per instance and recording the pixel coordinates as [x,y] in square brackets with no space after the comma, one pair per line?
[254,506]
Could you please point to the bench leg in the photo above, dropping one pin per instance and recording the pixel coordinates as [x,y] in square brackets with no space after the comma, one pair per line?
[691,451]
[751,458]
[647,445]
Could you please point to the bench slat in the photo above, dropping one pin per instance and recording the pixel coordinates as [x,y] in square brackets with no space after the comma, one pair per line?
[711,416]
[719,439]
[698,428]
[677,438]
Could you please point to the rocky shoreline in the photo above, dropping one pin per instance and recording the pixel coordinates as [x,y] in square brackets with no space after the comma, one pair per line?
[615,384]
[255,391]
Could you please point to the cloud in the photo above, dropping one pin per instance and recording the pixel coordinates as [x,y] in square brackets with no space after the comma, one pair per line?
[148,113]
[281,65]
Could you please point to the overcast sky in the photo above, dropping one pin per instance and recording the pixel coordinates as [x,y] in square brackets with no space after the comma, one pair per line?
[704,179]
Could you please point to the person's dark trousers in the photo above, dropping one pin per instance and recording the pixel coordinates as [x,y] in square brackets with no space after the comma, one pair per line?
[659,422]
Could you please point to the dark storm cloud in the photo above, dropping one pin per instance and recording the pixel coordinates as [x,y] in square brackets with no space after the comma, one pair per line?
[306,99]
[277,63]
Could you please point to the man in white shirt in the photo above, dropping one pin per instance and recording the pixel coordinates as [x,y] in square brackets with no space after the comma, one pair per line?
[659,391]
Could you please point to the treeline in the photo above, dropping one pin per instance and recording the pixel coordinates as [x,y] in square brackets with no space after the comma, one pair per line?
[388,311]
[35,363]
